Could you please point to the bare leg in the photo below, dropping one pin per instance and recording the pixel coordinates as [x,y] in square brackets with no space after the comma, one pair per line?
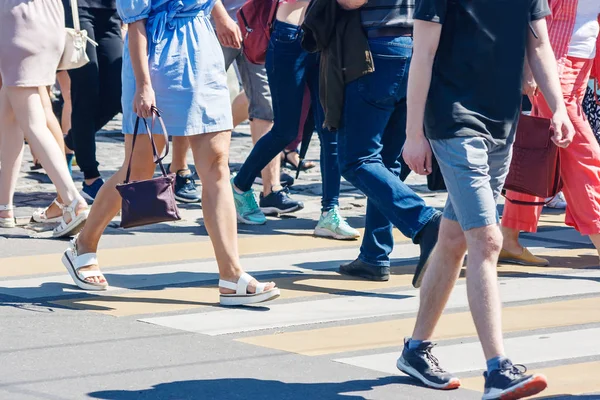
[181,146]
[65,88]
[11,153]
[211,155]
[108,202]
[484,245]
[440,278]
[511,240]
[596,240]
[27,106]
[240,109]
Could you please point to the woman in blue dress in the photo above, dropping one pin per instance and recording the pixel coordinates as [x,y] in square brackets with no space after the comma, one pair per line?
[172,60]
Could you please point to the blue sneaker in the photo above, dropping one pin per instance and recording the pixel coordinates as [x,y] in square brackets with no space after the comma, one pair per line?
[333,225]
[185,188]
[510,383]
[246,207]
[89,192]
[279,203]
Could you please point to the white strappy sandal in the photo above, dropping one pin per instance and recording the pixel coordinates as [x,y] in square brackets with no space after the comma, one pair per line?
[9,222]
[40,216]
[241,296]
[76,224]
[74,263]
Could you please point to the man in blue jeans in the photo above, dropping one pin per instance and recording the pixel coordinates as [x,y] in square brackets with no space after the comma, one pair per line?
[370,141]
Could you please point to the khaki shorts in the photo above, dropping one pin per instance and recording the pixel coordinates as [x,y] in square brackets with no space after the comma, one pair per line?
[255,83]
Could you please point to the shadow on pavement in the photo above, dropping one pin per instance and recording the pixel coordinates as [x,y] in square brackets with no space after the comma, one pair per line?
[230,389]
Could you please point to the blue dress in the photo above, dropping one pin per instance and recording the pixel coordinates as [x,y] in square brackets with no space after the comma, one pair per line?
[186,66]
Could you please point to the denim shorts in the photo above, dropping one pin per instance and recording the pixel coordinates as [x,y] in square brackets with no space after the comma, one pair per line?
[254,81]
[474,169]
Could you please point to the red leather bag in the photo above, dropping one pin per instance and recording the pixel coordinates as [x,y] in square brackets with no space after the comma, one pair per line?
[255,19]
[535,165]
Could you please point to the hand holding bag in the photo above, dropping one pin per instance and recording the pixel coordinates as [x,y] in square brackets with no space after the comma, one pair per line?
[535,165]
[150,201]
[74,55]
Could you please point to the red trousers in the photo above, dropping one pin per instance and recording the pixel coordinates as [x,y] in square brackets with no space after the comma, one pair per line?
[580,162]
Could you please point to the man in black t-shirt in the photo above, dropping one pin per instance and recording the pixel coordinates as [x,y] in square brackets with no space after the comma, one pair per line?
[465,90]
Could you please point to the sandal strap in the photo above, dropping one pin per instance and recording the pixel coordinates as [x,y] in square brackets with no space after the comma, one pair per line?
[85,260]
[241,287]
[227,285]
[260,287]
[90,274]
[55,201]
[242,284]
[6,207]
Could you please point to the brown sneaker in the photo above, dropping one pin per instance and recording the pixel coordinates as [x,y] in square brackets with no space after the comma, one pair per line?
[525,258]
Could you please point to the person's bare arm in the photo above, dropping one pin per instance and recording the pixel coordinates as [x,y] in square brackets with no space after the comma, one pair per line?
[544,69]
[144,99]
[227,30]
[417,151]
[351,4]
[530,87]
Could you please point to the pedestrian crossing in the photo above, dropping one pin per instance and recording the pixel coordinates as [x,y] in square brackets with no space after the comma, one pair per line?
[551,315]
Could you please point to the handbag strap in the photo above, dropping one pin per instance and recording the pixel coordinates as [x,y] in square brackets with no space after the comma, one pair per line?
[157,159]
[75,13]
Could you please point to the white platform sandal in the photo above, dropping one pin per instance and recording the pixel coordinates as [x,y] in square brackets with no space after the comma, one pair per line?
[77,221]
[40,216]
[74,263]
[241,296]
[9,222]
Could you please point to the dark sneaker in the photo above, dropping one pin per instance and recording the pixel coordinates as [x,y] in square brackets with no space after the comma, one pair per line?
[363,270]
[427,240]
[422,365]
[185,188]
[510,383]
[89,192]
[286,180]
[279,203]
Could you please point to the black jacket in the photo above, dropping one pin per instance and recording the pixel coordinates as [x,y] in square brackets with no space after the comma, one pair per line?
[345,56]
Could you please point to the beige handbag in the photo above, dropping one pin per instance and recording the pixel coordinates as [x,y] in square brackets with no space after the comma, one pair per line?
[74,55]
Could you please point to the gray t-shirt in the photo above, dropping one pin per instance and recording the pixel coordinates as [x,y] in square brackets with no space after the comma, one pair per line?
[232,7]
[476,81]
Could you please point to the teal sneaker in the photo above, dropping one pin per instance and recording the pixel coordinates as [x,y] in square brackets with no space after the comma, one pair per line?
[247,208]
[333,225]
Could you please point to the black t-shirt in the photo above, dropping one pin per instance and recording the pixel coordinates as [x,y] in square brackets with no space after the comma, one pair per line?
[478,68]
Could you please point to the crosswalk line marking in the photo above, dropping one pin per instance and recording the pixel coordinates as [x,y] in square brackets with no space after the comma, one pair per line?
[342,339]
[178,299]
[467,357]
[563,380]
[348,308]
[177,252]
[179,274]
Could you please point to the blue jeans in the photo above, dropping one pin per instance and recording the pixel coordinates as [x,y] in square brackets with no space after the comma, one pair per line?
[290,69]
[370,141]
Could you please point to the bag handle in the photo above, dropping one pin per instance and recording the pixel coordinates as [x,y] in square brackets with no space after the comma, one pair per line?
[75,14]
[157,158]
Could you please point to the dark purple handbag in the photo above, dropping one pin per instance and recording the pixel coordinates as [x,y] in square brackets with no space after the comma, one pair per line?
[150,201]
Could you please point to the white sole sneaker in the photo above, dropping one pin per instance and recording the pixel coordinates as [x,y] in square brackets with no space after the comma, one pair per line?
[326,233]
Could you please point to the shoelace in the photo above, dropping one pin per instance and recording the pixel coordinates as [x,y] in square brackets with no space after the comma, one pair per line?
[433,362]
[514,370]
[190,183]
[252,205]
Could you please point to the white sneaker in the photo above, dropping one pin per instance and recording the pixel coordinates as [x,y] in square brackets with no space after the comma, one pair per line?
[558,202]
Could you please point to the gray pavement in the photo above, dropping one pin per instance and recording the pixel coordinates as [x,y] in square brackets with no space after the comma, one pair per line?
[160,335]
